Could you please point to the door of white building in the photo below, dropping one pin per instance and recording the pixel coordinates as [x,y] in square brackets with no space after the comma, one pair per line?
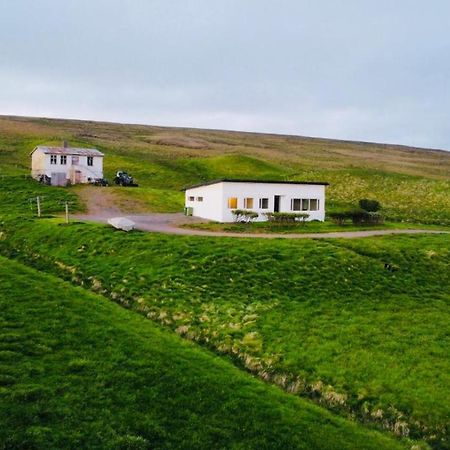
[59,179]
[276,203]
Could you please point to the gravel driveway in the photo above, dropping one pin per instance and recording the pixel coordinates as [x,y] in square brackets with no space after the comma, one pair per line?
[170,224]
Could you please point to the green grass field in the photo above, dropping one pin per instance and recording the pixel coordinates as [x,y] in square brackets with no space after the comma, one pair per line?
[323,320]
[78,371]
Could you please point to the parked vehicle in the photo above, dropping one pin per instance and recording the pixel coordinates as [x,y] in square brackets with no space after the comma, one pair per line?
[99,182]
[122,178]
[44,179]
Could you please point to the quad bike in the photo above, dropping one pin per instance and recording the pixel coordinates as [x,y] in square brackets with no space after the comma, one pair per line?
[123,179]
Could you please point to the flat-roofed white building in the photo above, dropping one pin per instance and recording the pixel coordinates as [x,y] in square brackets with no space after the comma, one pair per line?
[63,165]
[215,200]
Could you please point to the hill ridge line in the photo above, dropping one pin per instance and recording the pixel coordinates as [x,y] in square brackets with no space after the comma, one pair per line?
[394,146]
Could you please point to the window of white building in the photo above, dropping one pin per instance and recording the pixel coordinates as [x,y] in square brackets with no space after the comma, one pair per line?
[296,204]
[232,202]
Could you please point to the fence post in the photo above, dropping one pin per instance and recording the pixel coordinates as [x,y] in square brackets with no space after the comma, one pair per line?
[67,212]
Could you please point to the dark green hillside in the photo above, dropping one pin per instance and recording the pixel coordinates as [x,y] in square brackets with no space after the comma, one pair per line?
[77,371]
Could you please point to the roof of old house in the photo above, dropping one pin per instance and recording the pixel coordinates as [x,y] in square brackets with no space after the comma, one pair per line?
[230,180]
[68,151]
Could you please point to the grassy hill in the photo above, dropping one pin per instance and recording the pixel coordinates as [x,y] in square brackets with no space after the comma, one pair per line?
[77,371]
[322,320]
[412,184]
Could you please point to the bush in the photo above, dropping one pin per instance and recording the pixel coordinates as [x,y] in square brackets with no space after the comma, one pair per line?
[339,218]
[363,217]
[286,218]
[369,205]
[359,216]
[375,218]
[244,215]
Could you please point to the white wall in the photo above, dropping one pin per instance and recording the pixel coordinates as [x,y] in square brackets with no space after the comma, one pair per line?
[215,198]
[40,165]
[97,168]
[212,205]
[94,171]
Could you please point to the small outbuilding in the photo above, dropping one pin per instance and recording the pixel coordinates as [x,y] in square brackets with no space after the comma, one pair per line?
[217,199]
[60,166]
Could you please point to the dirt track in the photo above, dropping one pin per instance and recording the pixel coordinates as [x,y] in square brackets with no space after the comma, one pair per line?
[169,224]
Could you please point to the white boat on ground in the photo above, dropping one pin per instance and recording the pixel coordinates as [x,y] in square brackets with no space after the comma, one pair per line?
[122,223]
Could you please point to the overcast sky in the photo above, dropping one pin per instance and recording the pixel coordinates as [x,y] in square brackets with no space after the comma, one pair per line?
[353,69]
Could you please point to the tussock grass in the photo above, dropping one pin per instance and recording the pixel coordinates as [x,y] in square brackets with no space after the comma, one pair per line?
[77,371]
[320,319]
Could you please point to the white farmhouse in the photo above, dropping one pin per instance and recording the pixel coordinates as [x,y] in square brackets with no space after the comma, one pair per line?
[63,165]
[216,200]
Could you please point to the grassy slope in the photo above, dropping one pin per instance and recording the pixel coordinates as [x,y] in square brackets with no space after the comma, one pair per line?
[302,227]
[77,371]
[18,198]
[322,319]
[412,184]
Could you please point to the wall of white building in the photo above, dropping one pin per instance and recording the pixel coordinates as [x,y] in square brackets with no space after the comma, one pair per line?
[210,204]
[216,196]
[41,165]
[38,162]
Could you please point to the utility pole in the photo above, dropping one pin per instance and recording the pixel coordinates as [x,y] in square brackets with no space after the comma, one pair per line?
[38,201]
[67,212]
